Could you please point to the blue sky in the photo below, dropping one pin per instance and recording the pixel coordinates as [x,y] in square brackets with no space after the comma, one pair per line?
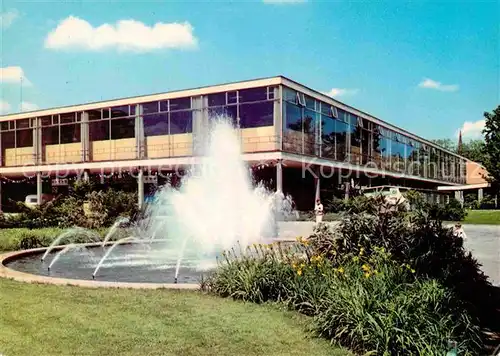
[430,67]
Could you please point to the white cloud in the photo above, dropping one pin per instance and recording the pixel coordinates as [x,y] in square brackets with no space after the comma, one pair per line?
[4,107]
[284,1]
[336,92]
[472,130]
[125,35]
[13,75]
[432,84]
[27,106]
[7,18]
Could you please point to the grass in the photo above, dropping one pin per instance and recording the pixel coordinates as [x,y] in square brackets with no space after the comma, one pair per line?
[490,217]
[53,320]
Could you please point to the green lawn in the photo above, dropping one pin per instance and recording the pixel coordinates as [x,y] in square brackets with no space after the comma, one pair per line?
[491,217]
[53,320]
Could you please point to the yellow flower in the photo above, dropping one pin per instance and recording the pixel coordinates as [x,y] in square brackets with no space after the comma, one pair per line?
[302,265]
[355,259]
[412,270]
[340,270]
[365,267]
[299,272]
[375,271]
[367,274]
[294,265]
[361,251]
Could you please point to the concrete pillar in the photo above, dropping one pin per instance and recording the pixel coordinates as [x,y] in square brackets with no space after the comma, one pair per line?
[480,194]
[37,141]
[1,210]
[279,176]
[85,136]
[347,187]
[140,151]
[140,188]
[317,182]
[85,176]
[278,117]
[200,124]
[39,187]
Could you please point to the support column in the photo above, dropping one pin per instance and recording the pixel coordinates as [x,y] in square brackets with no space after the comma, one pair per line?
[1,211]
[39,187]
[140,188]
[200,124]
[279,176]
[139,133]
[85,137]
[480,194]
[347,187]
[86,176]
[278,118]
[317,183]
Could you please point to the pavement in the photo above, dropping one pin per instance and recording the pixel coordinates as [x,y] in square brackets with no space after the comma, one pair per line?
[482,240]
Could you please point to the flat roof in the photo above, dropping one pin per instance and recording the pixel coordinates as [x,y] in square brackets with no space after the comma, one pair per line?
[204,90]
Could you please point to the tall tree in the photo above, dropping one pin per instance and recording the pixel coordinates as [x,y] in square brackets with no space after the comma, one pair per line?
[446,143]
[492,146]
[473,150]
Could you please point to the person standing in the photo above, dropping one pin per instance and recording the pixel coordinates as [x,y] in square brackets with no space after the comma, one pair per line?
[318,209]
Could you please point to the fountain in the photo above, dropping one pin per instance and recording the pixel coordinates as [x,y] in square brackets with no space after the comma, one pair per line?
[215,207]
[76,231]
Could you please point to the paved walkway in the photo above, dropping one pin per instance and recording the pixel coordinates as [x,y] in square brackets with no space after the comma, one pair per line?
[482,240]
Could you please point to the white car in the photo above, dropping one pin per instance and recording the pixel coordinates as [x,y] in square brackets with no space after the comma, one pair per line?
[32,200]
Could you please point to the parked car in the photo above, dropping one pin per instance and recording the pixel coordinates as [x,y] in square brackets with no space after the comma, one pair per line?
[32,200]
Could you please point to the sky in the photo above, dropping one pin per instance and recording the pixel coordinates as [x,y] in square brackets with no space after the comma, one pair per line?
[430,67]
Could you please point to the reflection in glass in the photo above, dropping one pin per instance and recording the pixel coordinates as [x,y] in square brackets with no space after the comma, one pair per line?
[122,128]
[70,133]
[256,115]
[181,122]
[156,125]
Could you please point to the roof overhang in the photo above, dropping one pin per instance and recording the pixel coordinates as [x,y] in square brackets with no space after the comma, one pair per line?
[464,187]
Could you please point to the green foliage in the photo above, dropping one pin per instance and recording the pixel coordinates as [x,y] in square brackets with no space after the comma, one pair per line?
[452,211]
[370,303]
[473,150]
[67,211]
[492,146]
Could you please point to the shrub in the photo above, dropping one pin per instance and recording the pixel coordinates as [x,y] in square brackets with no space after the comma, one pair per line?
[369,304]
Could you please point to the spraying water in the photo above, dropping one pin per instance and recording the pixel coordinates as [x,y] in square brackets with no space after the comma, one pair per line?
[114,228]
[77,231]
[217,204]
[179,259]
[108,252]
[60,253]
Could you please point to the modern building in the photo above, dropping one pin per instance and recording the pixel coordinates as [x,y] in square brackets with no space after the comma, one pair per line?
[297,139]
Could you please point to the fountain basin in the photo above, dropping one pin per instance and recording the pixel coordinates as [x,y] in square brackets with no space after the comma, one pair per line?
[26,266]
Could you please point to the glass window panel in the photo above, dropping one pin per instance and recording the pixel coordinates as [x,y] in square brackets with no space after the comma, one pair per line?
[217,99]
[181,122]
[94,115]
[23,124]
[8,140]
[180,104]
[70,133]
[328,137]
[156,124]
[50,135]
[253,94]
[122,128]
[150,108]
[256,115]
[366,146]
[224,112]
[232,97]
[67,118]
[289,94]
[164,105]
[132,110]
[99,130]
[270,91]
[293,117]
[310,102]
[4,125]
[341,131]
[309,128]
[24,138]
[105,113]
[120,111]
[326,109]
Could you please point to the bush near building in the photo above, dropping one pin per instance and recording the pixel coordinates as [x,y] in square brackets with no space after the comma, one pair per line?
[385,281]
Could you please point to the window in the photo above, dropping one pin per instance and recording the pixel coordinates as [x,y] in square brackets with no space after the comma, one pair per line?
[67,118]
[99,130]
[150,108]
[289,95]
[94,115]
[4,125]
[218,99]
[253,94]
[8,140]
[122,128]
[300,99]
[293,117]
[327,137]
[224,112]
[120,111]
[50,135]
[270,93]
[181,122]
[23,124]
[24,138]
[156,124]
[180,104]
[232,97]
[70,133]
[256,115]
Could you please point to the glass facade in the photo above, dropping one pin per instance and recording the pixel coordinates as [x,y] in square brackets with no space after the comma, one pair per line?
[310,127]
[316,128]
